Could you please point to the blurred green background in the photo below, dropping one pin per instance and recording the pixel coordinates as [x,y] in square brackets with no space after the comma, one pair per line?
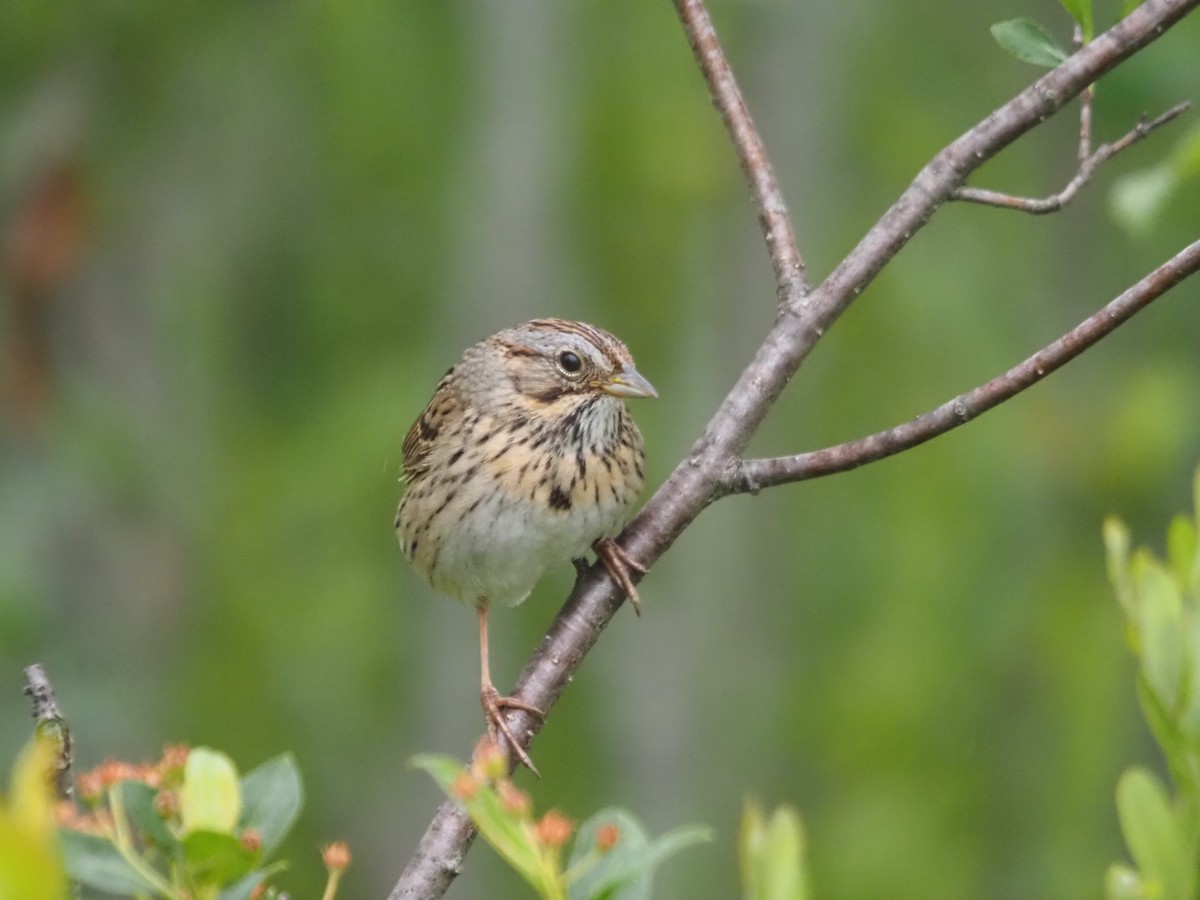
[242,242]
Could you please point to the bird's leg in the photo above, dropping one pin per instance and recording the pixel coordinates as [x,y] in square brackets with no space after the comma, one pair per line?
[492,700]
[619,565]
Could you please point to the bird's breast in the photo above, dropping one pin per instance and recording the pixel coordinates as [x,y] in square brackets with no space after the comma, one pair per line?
[518,500]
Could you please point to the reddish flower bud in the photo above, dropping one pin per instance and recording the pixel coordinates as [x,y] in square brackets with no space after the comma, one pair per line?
[114,771]
[515,800]
[489,763]
[166,804]
[336,856]
[554,829]
[465,786]
[251,840]
[171,764]
[90,787]
[607,837]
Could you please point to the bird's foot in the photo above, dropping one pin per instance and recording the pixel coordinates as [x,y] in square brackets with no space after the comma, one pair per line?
[620,565]
[497,725]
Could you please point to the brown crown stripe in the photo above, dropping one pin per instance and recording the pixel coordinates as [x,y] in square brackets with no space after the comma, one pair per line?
[616,351]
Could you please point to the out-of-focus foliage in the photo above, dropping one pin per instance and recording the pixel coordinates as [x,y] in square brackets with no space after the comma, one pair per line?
[184,828]
[1140,198]
[31,864]
[611,858]
[243,241]
[1161,602]
[772,855]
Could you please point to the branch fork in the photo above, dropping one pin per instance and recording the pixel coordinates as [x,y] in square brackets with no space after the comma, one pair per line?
[714,467]
[1089,162]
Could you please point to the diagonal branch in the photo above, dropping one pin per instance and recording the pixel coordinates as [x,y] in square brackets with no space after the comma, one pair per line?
[751,475]
[804,317]
[1089,162]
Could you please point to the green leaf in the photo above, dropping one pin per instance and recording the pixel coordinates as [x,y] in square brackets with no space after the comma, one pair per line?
[137,799]
[1029,42]
[1159,624]
[31,864]
[1154,836]
[217,857]
[30,802]
[772,855]
[1189,715]
[211,797]
[94,861]
[1081,12]
[626,871]
[1163,726]
[272,795]
[1138,199]
[244,888]
[1128,6]
[1116,545]
[444,769]
[608,875]
[1181,549]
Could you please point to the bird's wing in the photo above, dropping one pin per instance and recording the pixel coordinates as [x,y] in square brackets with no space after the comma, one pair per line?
[421,438]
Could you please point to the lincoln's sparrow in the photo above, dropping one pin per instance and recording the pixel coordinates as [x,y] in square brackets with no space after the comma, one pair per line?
[524,457]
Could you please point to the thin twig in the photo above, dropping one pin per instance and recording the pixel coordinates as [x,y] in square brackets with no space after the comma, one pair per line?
[1086,101]
[1089,163]
[50,724]
[805,316]
[772,208]
[751,475]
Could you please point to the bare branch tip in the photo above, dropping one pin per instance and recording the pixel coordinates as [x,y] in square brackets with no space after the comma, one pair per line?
[41,693]
[1171,114]
[50,725]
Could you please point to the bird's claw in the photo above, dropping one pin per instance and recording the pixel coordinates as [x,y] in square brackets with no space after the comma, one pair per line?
[497,726]
[619,565]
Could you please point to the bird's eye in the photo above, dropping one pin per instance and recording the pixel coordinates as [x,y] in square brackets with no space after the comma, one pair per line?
[569,362]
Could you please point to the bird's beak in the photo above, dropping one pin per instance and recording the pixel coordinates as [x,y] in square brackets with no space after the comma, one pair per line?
[628,383]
